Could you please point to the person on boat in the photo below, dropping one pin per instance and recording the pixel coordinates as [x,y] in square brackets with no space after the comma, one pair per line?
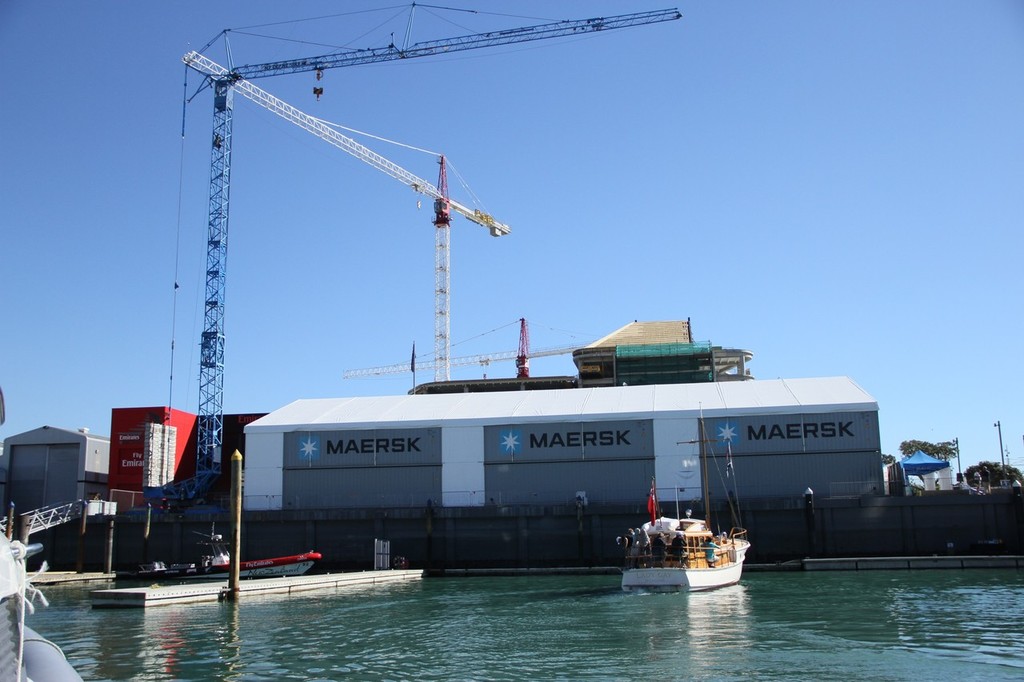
[658,549]
[624,541]
[643,540]
[677,547]
[632,546]
[709,551]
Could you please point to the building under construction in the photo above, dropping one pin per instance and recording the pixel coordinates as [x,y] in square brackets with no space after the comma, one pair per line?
[638,354]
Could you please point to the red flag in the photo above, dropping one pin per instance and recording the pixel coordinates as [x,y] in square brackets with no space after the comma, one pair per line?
[652,503]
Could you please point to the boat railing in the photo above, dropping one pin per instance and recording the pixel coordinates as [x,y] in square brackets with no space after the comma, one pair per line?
[690,553]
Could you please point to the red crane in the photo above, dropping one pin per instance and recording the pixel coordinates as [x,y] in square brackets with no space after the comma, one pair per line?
[442,205]
[523,359]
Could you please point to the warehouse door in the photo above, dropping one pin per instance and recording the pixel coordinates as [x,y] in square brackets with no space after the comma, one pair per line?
[42,475]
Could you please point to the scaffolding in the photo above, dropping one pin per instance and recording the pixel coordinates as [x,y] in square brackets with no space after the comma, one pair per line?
[664,363]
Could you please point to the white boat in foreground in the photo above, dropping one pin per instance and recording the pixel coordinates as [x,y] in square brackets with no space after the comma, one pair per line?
[672,555]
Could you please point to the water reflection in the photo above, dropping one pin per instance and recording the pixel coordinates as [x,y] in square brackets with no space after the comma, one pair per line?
[868,625]
[231,643]
[719,618]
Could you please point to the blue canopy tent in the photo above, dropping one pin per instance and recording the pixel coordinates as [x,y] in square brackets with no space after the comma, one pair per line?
[920,463]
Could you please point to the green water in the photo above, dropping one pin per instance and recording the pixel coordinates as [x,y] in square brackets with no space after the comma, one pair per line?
[884,625]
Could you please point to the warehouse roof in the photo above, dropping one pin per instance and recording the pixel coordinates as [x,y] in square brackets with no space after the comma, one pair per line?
[776,396]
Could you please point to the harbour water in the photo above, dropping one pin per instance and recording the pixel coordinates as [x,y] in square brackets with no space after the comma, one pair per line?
[875,625]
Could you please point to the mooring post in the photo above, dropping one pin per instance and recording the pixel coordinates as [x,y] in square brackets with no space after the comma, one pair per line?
[809,519]
[108,563]
[430,532]
[1018,510]
[579,529]
[25,528]
[10,521]
[80,563]
[236,522]
[145,533]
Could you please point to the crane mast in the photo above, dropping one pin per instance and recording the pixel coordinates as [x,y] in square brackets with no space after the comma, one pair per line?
[224,82]
[442,276]
[523,358]
[210,426]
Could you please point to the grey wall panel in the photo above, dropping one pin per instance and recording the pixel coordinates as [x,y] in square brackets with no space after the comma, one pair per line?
[603,481]
[319,488]
[568,441]
[788,475]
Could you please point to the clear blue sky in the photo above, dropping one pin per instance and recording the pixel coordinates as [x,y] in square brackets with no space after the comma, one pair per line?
[836,186]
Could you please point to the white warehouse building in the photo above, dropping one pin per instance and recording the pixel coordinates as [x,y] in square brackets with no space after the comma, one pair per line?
[761,438]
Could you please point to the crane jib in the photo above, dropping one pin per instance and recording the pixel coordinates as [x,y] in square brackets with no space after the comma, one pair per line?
[468,42]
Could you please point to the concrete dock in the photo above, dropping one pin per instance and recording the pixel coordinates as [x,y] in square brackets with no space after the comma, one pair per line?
[914,563]
[60,577]
[207,591]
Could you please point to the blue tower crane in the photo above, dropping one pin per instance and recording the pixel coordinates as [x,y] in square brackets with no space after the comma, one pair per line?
[211,372]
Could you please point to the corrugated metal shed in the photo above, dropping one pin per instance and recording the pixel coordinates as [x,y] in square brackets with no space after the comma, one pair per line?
[777,396]
[50,465]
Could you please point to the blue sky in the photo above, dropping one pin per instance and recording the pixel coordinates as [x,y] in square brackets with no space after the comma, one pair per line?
[835,186]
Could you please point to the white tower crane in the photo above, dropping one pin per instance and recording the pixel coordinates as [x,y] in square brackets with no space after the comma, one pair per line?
[324,131]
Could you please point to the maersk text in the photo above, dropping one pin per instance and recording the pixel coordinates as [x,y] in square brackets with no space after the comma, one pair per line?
[366,446]
[801,430]
[575,439]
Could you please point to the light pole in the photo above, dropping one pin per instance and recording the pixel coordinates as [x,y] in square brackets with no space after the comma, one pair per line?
[956,447]
[1002,456]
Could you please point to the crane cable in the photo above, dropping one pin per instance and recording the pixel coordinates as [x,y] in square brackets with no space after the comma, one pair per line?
[461,179]
[375,137]
[177,240]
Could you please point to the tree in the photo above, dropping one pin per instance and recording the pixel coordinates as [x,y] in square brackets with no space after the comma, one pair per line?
[888,459]
[945,450]
[993,472]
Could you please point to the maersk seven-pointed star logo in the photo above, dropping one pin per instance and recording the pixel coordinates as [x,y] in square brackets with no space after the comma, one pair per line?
[511,442]
[727,432]
[309,449]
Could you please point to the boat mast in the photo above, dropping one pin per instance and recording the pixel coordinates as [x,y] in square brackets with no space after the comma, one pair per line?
[704,471]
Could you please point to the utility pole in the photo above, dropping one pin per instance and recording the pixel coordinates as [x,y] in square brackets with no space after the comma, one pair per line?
[959,471]
[1002,455]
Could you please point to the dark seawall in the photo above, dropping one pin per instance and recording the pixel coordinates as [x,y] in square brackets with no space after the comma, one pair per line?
[439,538]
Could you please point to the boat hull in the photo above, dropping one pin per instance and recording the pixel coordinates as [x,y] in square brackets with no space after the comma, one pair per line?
[278,567]
[261,569]
[680,579]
